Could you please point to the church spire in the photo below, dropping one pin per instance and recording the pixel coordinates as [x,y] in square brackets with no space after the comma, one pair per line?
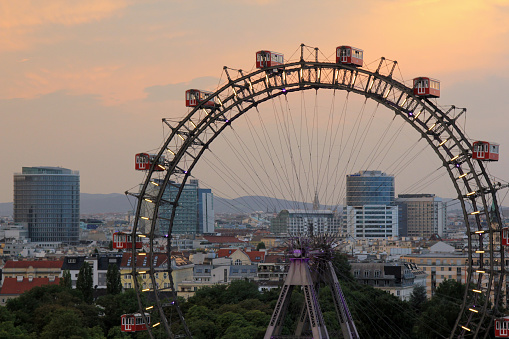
[316,204]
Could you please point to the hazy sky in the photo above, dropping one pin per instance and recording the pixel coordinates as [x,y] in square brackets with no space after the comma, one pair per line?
[84,84]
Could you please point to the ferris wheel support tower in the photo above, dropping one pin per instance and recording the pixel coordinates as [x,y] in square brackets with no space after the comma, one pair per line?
[308,269]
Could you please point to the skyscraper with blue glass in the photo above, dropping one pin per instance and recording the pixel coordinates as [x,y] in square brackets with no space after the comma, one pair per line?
[48,200]
[194,213]
[370,210]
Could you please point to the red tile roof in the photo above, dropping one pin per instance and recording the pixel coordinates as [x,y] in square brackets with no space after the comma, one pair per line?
[34,264]
[142,261]
[13,286]
[256,256]
[225,252]
[275,259]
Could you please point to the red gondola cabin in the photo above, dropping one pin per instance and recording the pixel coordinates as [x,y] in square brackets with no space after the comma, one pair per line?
[348,55]
[426,87]
[485,150]
[502,327]
[143,161]
[196,97]
[504,239]
[123,241]
[134,322]
[268,59]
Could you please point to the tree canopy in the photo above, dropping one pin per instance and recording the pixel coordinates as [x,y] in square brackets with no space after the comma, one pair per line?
[113,281]
[85,282]
[238,310]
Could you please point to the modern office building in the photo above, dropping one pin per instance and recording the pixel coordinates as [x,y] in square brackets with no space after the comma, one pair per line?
[48,200]
[421,215]
[369,188]
[371,221]
[205,210]
[370,211]
[194,213]
[304,222]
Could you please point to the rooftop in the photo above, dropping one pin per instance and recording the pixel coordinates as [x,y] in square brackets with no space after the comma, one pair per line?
[14,286]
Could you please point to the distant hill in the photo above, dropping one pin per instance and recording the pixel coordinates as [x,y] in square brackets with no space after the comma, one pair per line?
[91,204]
[119,203]
[106,203]
[249,204]
[5,208]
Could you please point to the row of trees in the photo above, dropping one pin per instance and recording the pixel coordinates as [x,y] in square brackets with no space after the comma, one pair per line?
[234,311]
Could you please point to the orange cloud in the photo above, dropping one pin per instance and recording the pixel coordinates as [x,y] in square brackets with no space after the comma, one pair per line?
[442,36]
[22,13]
[21,18]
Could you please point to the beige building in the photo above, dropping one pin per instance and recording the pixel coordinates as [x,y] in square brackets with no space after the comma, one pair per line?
[440,264]
[182,270]
[421,215]
[32,269]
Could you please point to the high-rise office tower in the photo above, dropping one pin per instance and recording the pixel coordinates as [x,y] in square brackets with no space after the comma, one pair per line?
[370,211]
[421,215]
[194,213]
[48,200]
[205,211]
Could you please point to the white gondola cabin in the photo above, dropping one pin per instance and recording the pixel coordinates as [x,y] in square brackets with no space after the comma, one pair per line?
[134,322]
[195,97]
[122,240]
[502,327]
[143,161]
[426,87]
[266,59]
[485,150]
[348,55]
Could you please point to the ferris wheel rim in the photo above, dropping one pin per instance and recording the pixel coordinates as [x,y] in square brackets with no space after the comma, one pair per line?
[376,87]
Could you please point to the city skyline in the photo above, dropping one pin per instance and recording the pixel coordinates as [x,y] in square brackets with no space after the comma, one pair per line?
[86,86]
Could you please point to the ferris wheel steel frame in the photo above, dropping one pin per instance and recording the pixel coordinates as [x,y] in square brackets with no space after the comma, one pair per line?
[193,135]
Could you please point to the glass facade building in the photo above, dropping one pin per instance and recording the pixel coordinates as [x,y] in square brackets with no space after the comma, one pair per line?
[370,210]
[206,211]
[194,213]
[369,188]
[48,200]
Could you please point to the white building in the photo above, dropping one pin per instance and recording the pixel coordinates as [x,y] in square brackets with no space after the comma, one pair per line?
[372,221]
[305,222]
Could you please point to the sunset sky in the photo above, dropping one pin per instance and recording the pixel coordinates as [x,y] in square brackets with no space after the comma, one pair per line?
[84,84]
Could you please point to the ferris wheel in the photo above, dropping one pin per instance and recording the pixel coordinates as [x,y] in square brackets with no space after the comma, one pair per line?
[300,161]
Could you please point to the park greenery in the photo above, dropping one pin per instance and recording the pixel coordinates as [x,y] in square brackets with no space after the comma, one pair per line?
[234,311]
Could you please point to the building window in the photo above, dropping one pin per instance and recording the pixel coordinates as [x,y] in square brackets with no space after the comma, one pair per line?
[356,273]
[238,262]
[366,274]
[377,274]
